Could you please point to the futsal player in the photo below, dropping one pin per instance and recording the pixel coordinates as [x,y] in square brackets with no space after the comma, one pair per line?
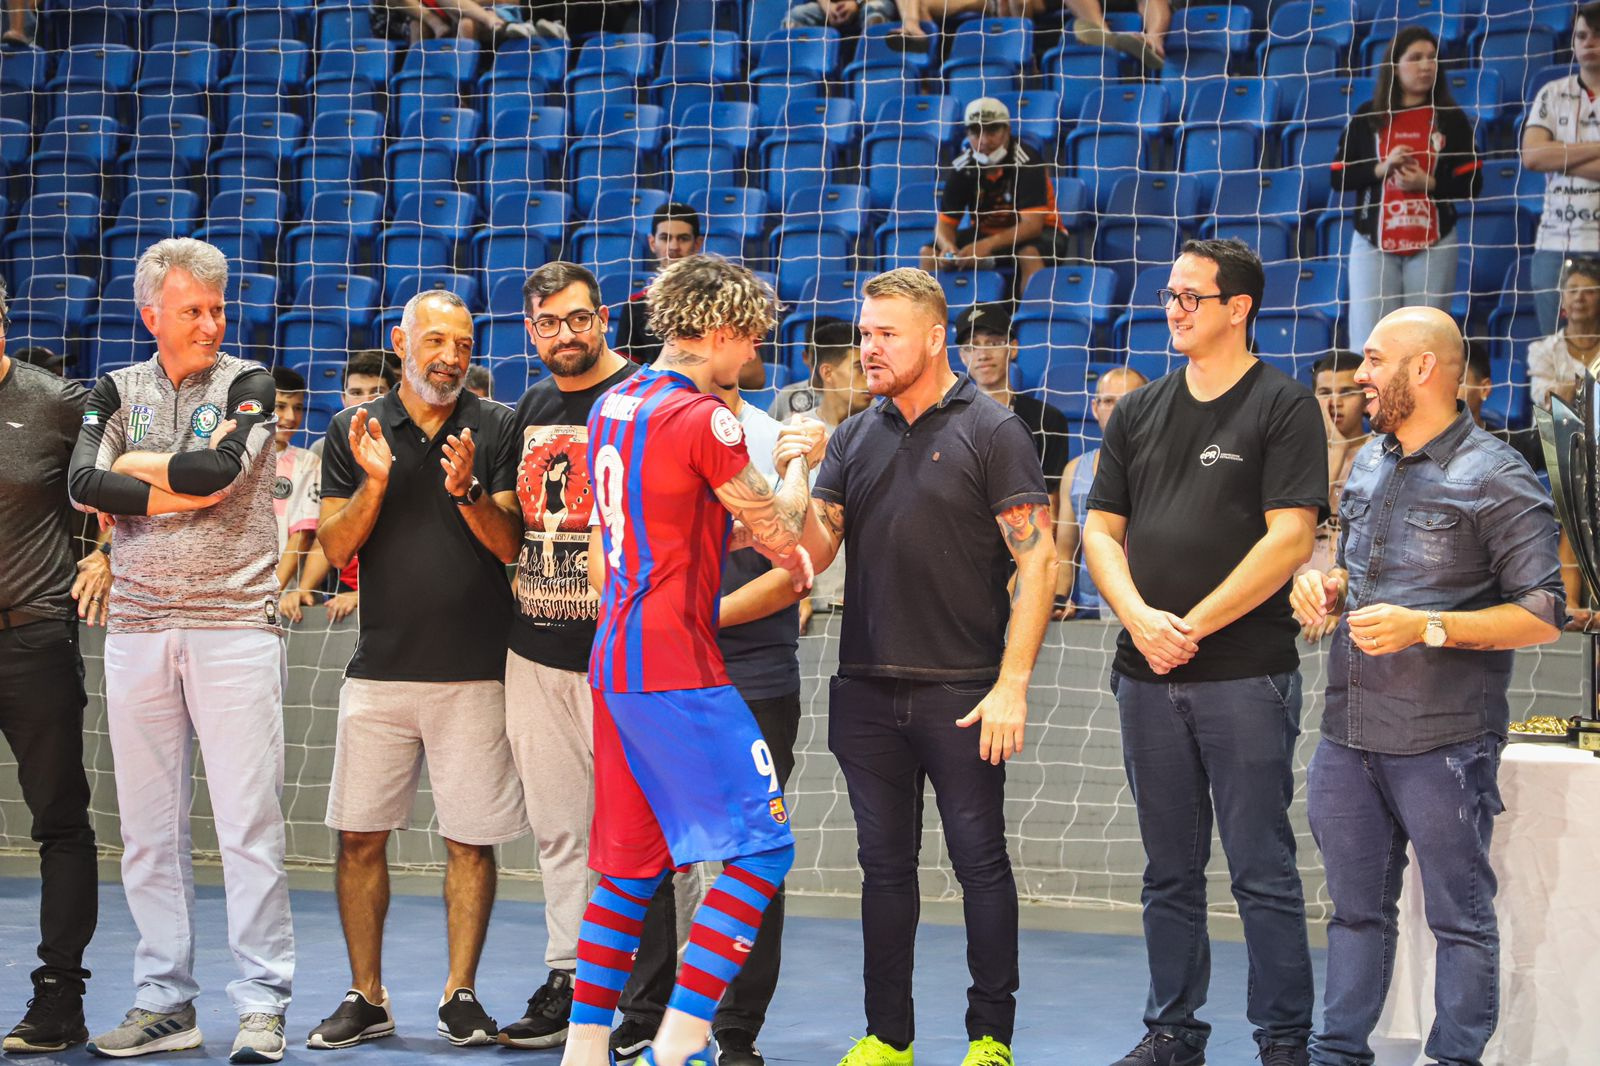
[681,772]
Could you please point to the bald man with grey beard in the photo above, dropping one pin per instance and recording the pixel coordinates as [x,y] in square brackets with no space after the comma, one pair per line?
[1465,570]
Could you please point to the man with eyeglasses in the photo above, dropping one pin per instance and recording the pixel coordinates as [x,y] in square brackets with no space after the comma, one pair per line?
[1005,187]
[549,709]
[1212,480]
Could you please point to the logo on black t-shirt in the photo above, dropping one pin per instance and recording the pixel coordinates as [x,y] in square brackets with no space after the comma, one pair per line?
[1213,452]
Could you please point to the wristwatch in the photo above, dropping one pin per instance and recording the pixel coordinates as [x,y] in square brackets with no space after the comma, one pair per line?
[473,494]
[1434,635]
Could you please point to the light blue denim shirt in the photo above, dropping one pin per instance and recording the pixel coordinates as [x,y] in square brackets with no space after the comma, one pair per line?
[1460,524]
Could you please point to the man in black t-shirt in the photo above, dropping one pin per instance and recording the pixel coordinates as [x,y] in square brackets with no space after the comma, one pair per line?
[988,349]
[549,710]
[1006,189]
[42,596]
[422,483]
[1209,489]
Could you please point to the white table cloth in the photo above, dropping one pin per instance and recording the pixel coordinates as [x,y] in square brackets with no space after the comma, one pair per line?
[1546,853]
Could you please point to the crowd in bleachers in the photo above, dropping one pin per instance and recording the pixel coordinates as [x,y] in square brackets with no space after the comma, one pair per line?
[341,171]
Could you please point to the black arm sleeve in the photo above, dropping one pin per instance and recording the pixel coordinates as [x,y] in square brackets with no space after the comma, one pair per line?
[1354,166]
[90,486]
[251,401]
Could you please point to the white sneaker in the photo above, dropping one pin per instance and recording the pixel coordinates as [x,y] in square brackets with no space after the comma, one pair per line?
[260,1039]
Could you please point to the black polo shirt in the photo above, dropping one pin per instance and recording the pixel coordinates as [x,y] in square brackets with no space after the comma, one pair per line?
[435,603]
[925,594]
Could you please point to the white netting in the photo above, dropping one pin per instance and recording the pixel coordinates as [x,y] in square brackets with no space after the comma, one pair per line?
[341,170]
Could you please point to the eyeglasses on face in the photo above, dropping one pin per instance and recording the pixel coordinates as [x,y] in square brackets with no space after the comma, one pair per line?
[1189,301]
[577,322]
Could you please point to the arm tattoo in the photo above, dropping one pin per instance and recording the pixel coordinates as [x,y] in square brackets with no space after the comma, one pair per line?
[832,515]
[1025,526]
[773,519]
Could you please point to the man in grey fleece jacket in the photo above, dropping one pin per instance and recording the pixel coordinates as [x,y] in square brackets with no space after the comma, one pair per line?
[176,451]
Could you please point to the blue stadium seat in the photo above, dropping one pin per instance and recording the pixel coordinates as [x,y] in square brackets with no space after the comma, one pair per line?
[637,124]
[52,231]
[254,151]
[95,79]
[1479,91]
[1206,40]
[1510,331]
[791,163]
[1297,331]
[266,70]
[256,21]
[185,68]
[875,57]
[401,282]
[1276,194]
[167,152]
[804,54]
[116,303]
[1490,237]
[970,83]
[772,97]
[16,143]
[725,122]
[1328,100]
[1318,283]
[113,344]
[899,241]
[963,288]
[513,374]
[834,120]
[1100,157]
[1507,182]
[597,164]
[926,117]
[833,294]
[1273,239]
[1126,244]
[147,217]
[1048,346]
[191,21]
[1072,204]
[1252,102]
[58,303]
[1127,107]
[802,252]
[511,166]
[24,73]
[1518,55]
[503,339]
[339,230]
[1075,73]
[1153,195]
[538,211]
[892,161]
[341,22]
[1035,117]
[524,77]
[74,154]
[697,165]
[245,224]
[700,57]
[1312,149]
[547,126]
[1292,65]
[612,59]
[1003,44]
[1327,22]
[831,205]
[1147,339]
[1078,291]
[613,256]
[732,210]
[455,128]
[505,290]
[539,57]
[1205,153]
[417,165]
[425,231]
[253,302]
[627,209]
[344,302]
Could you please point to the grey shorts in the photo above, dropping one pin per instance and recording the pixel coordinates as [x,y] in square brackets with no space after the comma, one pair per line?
[385,730]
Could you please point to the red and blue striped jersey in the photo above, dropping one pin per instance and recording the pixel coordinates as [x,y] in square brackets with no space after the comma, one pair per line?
[658,447]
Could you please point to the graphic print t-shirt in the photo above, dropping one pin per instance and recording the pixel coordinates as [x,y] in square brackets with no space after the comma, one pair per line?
[556,609]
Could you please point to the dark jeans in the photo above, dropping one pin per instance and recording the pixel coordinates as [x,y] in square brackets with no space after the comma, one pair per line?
[41,717]
[1364,808]
[1218,751]
[744,1004]
[891,737]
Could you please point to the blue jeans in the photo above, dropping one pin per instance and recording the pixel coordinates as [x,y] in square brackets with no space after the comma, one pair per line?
[891,738]
[1223,751]
[1364,808]
[1382,283]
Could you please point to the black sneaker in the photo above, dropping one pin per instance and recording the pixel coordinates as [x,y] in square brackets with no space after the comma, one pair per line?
[1159,1049]
[463,1021]
[629,1039]
[53,1022]
[545,1023]
[355,1020]
[1285,1053]
[736,1047]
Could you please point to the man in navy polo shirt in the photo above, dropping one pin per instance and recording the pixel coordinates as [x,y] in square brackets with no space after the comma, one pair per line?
[941,489]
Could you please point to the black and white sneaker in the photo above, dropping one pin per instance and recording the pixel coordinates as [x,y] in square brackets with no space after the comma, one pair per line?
[629,1040]
[463,1021]
[53,1022]
[1161,1049]
[545,1023]
[737,1047]
[355,1020]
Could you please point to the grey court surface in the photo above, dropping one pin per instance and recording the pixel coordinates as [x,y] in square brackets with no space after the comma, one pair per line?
[1081,999]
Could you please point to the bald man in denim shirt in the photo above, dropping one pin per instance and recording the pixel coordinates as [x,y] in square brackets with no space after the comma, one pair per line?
[1447,564]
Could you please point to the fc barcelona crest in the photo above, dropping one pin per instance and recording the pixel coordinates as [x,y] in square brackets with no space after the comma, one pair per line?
[779,814]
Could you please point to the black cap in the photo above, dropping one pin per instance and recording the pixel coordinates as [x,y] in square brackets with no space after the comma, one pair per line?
[40,357]
[991,318]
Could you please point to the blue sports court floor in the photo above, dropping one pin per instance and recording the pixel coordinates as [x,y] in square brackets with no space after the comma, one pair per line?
[1080,1003]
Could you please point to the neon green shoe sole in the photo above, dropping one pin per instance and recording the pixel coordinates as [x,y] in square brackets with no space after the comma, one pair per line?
[870,1051]
[988,1051]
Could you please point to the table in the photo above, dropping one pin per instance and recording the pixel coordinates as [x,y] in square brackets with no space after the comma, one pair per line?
[1546,854]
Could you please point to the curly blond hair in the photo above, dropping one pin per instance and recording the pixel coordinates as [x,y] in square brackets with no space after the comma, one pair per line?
[909,283]
[698,295]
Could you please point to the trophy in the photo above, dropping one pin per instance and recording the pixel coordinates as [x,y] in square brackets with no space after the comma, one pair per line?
[1571,440]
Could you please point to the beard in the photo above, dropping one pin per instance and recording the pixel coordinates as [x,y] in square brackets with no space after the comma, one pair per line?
[572,360]
[431,394]
[1396,403]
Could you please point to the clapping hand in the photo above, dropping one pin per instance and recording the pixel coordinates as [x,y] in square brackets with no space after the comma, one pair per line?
[370,449]
[457,462]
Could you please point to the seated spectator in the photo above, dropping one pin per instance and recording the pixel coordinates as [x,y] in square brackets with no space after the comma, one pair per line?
[843,15]
[466,19]
[1477,384]
[480,382]
[913,36]
[296,501]
[837,387]
[1408,156]
[1343,404]
[1002,190]
[21,21]
[1561,139]
[675,233]
[44,359]
[368,377]
[988,349]
[1076,594]
[1558,364]
[1149,47]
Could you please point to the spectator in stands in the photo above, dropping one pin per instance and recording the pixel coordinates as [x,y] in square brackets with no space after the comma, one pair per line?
[1408,156]
[42,596]
[1559,363]
[423,484]
[294,491]
[1561,138]
[468,19]
[480,382]
[1429,624]
[1210,486]
[549,706]
[21,21]
[194,649]
[368,377]
[931,650]
[1076,594]
[44,359]
[1477,384]
[912,35]
[1003,189]
[837,387]
[842,15]
[1148,47]
[1333,380]
[988,349]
